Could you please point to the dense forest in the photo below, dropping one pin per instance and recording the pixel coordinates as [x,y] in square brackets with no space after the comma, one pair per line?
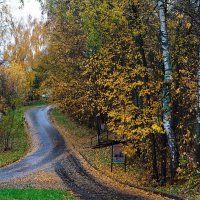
[131,65]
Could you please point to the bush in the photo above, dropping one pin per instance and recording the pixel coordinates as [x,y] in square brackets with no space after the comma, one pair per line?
[6,131]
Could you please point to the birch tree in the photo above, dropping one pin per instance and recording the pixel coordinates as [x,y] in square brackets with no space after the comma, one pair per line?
[167,118]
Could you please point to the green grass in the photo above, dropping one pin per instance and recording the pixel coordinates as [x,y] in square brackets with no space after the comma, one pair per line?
[34,194]
[37,103]
[71,125]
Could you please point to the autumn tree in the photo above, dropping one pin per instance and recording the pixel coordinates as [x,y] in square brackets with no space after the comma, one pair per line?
[22,55]
[110,63]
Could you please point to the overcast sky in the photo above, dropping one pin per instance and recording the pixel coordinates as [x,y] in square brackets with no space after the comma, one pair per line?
[31,7]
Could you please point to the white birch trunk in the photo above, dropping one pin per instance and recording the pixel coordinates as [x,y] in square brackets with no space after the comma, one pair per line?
[167,89]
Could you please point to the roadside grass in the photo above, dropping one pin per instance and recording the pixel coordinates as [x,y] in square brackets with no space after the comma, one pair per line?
[136,175]
[34,194]
[71,126]
[37,103]
[20,143]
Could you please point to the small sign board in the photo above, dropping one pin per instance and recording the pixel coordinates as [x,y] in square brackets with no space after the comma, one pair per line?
[118,157]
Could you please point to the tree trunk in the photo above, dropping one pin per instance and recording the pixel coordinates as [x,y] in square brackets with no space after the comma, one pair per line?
[197,128]
[154,157]
[98,126]
[134,20]
[167,90]
[163,157]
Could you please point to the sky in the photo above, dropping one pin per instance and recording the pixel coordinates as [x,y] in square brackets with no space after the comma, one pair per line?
[31,7]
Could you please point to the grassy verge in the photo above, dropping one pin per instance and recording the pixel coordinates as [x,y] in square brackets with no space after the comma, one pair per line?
[37,103]
[34,194]
[136,175]
[19,137]
[75,129]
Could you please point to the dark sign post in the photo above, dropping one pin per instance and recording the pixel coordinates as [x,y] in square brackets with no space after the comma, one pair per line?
[118,157]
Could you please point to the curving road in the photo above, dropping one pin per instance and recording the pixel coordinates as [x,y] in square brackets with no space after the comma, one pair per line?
[49,145]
